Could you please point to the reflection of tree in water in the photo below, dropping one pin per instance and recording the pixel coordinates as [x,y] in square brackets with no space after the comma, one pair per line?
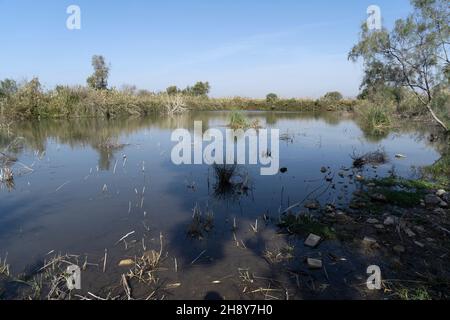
[230,182]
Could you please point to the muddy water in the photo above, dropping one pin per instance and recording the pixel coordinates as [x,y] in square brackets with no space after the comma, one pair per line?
[82,197]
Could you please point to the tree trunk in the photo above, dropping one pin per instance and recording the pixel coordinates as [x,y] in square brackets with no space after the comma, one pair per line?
[435,117]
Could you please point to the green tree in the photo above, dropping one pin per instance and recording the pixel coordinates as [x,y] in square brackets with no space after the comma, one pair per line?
[413,55]
[333,96]
[8,87]
[172,90]
[99,79]
[199,89]
[271,98]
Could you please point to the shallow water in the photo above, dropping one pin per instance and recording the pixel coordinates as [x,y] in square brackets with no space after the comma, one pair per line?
[62,204]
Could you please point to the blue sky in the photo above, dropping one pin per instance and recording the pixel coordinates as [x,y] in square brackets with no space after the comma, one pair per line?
[248,48]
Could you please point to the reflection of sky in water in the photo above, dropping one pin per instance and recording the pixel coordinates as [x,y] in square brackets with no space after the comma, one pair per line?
[35,218]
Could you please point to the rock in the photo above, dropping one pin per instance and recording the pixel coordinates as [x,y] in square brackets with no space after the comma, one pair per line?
[409,232]
[312,240]
[372,221]
[359,177]
[378,197]
[379,226]
[441,193]
[399,249]
[400,156]
[283,170]
[446,197]
[314,263]
[369,241]
[439,211]
[432,200]
[313,205]
[126,263]
[323,169]
[390,221]
[341,174]
[443,204]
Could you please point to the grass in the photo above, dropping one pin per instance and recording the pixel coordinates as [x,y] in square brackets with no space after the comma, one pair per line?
[238,121]
[401,192]
[440,171]
[4,267]
[389,182]
[375,119]
[32,101]
[417,294]
[304,225]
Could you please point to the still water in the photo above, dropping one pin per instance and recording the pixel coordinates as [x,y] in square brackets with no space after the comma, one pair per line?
[93,181]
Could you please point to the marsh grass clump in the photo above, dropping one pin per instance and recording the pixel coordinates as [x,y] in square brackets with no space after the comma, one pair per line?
[4,267]
[373,158]
[238,121]
[278,256]
[229,181]
[375,119]
[200,224]
[146,267]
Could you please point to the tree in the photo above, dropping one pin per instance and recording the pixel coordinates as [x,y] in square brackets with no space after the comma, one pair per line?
[172,90]
[271,98]
[99,79]
[8,87]
[200,89]
[413,55]
[333,96]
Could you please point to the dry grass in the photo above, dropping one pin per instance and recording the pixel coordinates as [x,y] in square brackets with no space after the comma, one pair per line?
[373,158]
[146,267]
[4,267]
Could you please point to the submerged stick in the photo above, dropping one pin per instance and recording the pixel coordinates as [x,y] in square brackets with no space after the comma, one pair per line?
[104,260]
[199,256]
[125,236]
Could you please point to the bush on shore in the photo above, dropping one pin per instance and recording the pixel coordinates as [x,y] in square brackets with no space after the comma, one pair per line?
[30,100]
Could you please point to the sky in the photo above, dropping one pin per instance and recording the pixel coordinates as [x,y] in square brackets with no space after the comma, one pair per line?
[294,48]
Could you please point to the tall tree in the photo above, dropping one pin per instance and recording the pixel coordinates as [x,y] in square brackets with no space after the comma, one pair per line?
[414,54]
[99,79]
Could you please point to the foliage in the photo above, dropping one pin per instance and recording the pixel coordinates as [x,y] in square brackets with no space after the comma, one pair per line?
[172,90]
[198,90]
[99,79]
[412,55]
[333,96]
[271,98]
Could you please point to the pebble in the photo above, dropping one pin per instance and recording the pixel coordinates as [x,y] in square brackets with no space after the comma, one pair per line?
[372,221]
[441,193]
[314,263]
[369,241]
[312,240]
[390,221]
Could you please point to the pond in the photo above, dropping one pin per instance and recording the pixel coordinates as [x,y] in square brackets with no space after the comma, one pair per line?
[81,185]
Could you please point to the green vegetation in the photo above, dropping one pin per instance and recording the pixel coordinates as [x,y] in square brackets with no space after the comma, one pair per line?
[413,56]
[333,96]
[440,171]
[419,294]
[375,119]
[401,192]
[304,225]
[99,80]
[271,98]
[238,121]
